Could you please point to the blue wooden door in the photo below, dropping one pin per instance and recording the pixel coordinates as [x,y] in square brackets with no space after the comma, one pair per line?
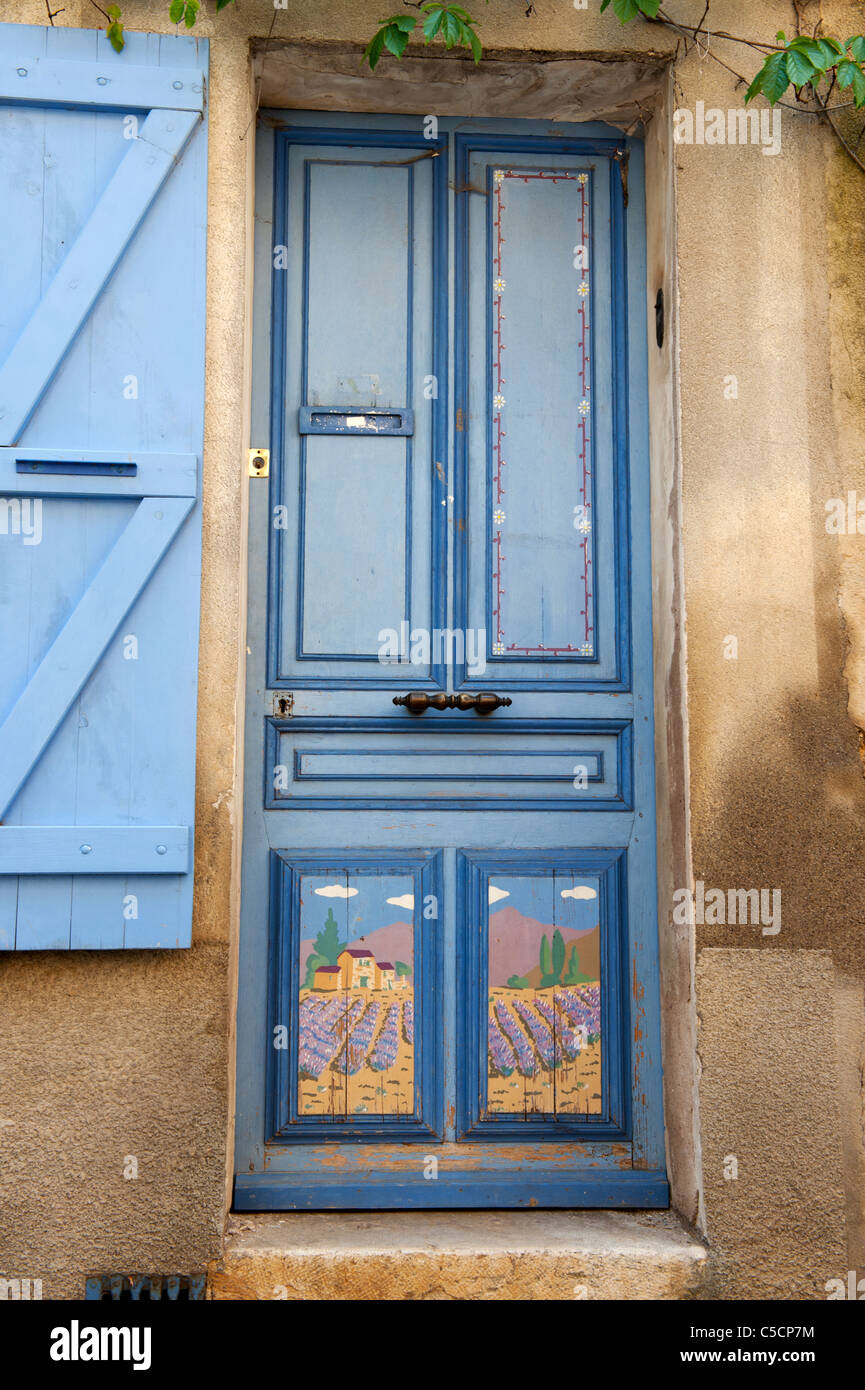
[448,972]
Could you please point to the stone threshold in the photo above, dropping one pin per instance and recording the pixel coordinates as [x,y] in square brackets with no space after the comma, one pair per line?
[460,1255]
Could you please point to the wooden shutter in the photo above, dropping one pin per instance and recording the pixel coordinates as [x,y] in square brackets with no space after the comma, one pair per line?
[103,186]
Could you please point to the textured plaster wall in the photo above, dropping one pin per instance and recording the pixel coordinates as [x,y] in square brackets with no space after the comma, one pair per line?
[125,1055]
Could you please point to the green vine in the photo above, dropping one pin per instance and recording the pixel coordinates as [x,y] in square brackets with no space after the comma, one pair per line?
[812,65]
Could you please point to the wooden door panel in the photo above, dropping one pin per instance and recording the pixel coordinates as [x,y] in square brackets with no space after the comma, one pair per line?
[543,554]
[358,541]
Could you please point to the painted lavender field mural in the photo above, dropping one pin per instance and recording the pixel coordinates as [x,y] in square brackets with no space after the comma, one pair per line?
[356,1006]
[544,1026]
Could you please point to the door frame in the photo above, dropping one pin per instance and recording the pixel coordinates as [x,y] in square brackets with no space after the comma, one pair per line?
[409,89]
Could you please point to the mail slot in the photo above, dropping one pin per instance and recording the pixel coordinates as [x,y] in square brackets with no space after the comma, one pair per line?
[341,419]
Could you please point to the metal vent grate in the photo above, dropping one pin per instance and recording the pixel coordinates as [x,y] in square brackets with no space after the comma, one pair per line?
[145,1288]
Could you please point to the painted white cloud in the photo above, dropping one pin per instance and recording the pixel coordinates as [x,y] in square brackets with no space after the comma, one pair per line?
[407,901]
[581,891]
[496,894]
[336,890]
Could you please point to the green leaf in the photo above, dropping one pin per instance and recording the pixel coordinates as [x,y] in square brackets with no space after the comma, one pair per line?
[175,10]
[372,52]
[474,44]
[433,21]
[800,69]
[771,80]
[450,29]
[626,9]
[851,75]
[780,37]
[604,4]
[395,40]
[856,45]
[406,22]
[113,11]
[115,35]
[832,51]
[845,73]
[221,4]
[650,7]
[812,50]
[192,8]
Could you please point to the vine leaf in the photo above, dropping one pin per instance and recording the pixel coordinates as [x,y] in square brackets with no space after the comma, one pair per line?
[451,22]
[851,75]
[114,30]
[772,79]
[800,68]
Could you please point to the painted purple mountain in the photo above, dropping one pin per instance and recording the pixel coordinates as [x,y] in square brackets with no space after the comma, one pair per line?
[515,943]
[392,943]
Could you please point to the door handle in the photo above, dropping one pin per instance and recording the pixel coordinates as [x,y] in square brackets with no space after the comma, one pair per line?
[484,703]
[418,700]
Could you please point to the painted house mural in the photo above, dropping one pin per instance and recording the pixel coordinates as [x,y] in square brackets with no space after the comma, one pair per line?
[356,1001]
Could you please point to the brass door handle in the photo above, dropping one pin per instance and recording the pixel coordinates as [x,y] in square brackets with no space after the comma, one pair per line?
[418,700]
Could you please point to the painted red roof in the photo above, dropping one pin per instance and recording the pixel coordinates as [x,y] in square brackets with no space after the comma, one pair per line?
[327,970]
[364,955]
[385,965]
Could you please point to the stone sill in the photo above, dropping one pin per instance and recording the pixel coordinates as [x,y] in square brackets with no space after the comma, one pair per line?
[460,1255]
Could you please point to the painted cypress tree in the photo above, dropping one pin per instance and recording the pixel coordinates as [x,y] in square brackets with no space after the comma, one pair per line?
[558,956]
[327,941]
[545,958]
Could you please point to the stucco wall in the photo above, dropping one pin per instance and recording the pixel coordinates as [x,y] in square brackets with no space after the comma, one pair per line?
[133,1056]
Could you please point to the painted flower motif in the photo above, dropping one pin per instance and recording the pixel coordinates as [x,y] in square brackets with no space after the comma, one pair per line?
[586,649]
[499,285]
[583,287]
[498,175]
[499,401]
[498,648]
[584,407]
[585,526]
[582,178]
[498,516]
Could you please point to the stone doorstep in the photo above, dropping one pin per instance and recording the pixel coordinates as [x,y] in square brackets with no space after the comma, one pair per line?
[459,1255]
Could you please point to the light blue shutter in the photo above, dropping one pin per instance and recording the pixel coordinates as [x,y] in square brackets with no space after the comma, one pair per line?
[103,191]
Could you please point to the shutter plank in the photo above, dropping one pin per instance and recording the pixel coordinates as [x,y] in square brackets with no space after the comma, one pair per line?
[89,85]
[88,849]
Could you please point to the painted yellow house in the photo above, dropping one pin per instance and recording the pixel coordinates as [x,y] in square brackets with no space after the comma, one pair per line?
[385,975]
[327,977]
[357,968]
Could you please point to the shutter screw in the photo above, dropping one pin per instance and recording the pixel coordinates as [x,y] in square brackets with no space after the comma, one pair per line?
[161,849]
[22,72]
[86,849]
[178,86]
[103,81]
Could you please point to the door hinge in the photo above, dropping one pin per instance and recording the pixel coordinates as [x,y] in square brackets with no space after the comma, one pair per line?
[259,463]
